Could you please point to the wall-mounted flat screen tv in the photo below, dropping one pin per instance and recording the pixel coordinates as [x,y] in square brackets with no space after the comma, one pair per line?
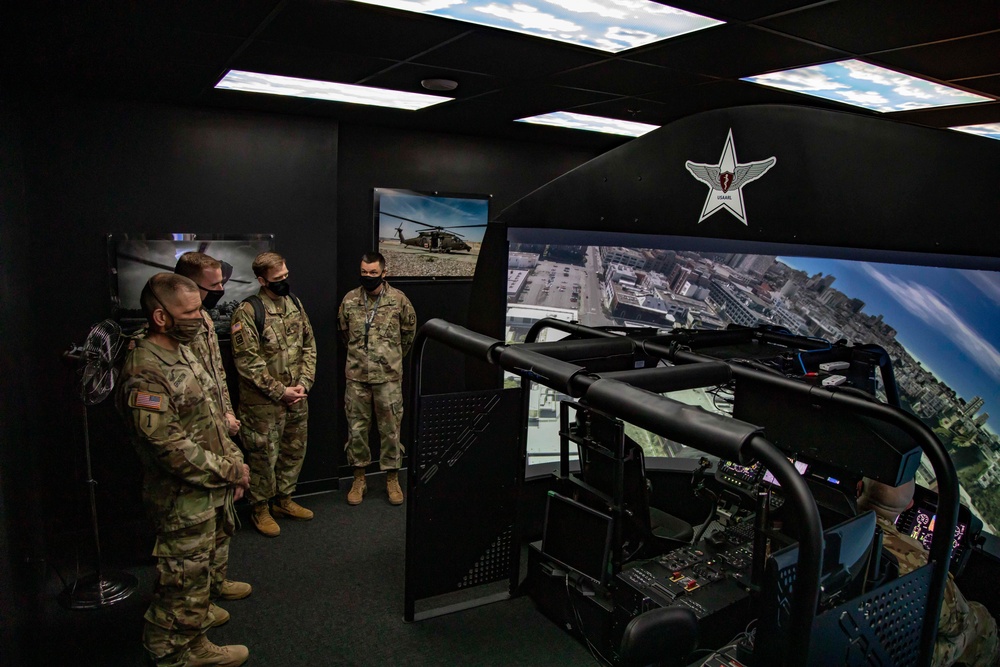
[133,258]
[936,315]
[429,235]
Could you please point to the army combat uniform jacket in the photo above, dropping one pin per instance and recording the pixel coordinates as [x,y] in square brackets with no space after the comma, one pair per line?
[282,355]
[180,435]
[376,356]
[206,348]
[966,631]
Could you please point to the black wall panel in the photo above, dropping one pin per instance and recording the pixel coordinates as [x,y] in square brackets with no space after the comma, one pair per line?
[85,168]
[373,157]
[97,167]
[20,544]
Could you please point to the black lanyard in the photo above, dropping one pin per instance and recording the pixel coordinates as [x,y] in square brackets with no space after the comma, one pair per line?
[370,315]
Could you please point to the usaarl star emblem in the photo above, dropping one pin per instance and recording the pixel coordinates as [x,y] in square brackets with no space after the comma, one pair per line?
[727,179]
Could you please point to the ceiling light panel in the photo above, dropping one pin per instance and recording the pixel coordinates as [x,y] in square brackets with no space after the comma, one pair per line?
[607,25]
[272,84]
[578,121]
[988,130]
[864,85]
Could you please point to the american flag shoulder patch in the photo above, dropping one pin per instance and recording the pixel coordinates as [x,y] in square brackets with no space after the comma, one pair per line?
[148,400]
[237,326]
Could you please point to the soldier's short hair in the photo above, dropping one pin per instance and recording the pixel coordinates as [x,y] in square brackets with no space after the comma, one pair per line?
[191,264]
[164,287]
[266,261]
[370,257]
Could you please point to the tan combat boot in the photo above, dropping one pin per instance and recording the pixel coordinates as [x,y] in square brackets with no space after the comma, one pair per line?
[234,590]
[217,615]
[285,506]
[203,653]
[392,487]
[358,488]
[262,520]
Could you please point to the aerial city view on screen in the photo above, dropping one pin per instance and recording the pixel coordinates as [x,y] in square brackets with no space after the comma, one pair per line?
[938,325]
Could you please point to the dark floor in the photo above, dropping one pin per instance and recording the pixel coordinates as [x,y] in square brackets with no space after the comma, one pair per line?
[326,592]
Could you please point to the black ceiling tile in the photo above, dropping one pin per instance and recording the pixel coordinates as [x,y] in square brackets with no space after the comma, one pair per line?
[304,62]
[519,101]
[734,51]
[509,55]
[407,76]
[866,26]
[352,27]
[986,85]
[723,94]
[738,11]
[625,77]
[970,114]
[234,18]
[632,109]
[954,59]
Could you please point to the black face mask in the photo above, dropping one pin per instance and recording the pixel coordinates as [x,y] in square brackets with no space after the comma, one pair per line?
[212,298]
[280,288]
[371,283]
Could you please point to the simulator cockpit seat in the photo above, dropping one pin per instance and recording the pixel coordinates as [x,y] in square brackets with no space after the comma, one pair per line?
[646,530]
[665,636]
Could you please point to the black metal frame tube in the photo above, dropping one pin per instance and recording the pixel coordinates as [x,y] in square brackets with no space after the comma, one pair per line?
[663,380]
[568,327]
[805,597]
[944,469]
[715,434]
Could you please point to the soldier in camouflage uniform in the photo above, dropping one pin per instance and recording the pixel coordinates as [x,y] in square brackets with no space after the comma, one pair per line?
[277,368]
[192,472]
[967,634]
[377,323]
[206,272]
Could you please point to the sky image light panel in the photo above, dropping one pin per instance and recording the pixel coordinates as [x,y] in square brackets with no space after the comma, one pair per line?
[988,130]
[868,86]
[607,25]
[576,121]
[273,84]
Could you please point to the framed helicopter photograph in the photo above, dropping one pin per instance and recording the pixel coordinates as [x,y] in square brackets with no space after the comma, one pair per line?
[133,258]
[429,235]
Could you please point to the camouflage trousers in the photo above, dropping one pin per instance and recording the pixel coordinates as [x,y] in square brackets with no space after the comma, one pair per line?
[975,642]
[191,563]
[387,400]
[274,436]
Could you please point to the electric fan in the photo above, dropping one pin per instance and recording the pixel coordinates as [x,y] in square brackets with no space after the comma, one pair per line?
[99,356]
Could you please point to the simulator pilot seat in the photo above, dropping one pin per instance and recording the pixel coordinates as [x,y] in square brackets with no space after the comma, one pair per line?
[605,454]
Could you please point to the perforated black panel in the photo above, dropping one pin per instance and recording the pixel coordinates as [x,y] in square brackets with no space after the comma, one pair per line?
[462,503]
[449,425]
[881,627]
[494,564]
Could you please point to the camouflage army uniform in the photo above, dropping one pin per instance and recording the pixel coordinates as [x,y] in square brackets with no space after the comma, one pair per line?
[284,354]
[967,634]
[206,350]
[375,372]
[190,467]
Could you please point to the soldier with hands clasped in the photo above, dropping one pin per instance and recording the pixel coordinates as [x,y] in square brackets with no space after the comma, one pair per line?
[275,354]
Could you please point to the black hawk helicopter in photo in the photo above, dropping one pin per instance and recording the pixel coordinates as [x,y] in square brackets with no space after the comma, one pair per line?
[434,239]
